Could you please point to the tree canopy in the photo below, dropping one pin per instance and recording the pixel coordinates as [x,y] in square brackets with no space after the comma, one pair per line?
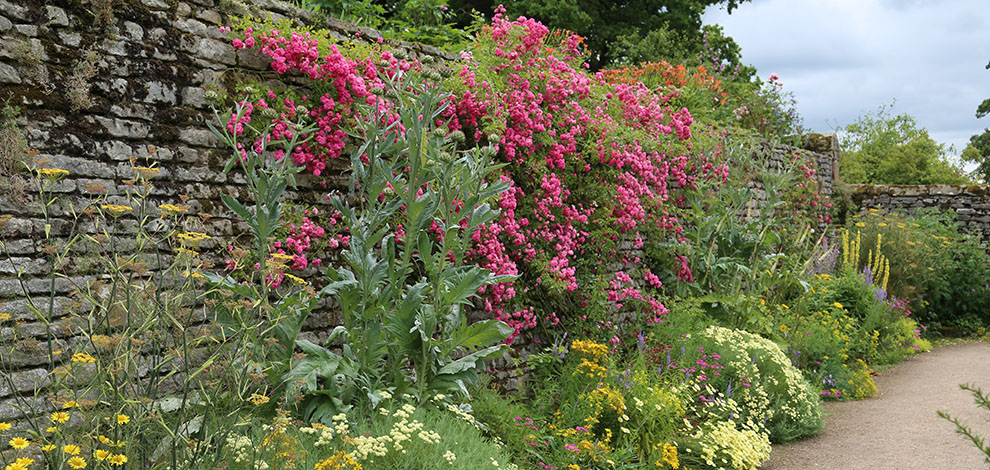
[978,150]
[882,148]
[633,31]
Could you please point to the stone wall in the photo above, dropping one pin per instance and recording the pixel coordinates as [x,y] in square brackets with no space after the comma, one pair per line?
[970,202]
[98,83]
[821,149]
[101,82]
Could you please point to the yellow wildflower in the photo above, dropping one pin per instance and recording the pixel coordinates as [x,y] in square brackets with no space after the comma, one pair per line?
[297,279]
[70,404]
[77,462]
[101,454]
[19,443]
[341,460]
[837,305]
[282,256]
[83,357]
[123,419]
[193,237]
[48,447]
[258,399]
[116,210]
[147,172]
[59,417]
[4,316]
[53,173]
[4,426]
[117,459]
[173,209]
[71,449]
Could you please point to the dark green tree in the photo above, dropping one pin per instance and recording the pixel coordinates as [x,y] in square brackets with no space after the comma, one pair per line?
[881,148]
[978,150]
[627,31]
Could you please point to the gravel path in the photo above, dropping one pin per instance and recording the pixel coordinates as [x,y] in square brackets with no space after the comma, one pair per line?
[898,428]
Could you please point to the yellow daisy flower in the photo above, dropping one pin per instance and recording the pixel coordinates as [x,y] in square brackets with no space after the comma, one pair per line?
[19,443]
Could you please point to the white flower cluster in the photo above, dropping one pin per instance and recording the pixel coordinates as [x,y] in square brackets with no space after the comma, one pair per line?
[461,414]
[240,446]
[366,446]
[744,449]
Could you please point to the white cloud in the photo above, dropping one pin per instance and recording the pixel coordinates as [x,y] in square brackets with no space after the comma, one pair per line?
[843,57]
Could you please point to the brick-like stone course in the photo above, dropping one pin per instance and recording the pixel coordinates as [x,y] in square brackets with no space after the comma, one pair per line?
[971,203]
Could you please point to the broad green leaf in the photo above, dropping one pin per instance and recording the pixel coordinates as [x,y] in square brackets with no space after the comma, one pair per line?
[470,361]
[480,334]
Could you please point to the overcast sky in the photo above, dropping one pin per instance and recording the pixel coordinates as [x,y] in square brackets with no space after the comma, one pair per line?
[844,57]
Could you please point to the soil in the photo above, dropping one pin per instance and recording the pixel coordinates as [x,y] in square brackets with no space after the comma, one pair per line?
[898,428]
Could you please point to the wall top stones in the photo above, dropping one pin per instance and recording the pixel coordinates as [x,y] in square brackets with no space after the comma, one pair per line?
[971,203]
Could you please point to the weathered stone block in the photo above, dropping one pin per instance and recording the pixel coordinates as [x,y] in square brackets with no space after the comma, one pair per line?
[123,127]
[198,136]
[216,51]
[9,74]
[56,16]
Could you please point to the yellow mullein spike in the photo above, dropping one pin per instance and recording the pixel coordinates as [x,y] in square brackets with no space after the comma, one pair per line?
[859,246]
[869,257]
[875,267]
[886,275]
[845,247]
[879,275]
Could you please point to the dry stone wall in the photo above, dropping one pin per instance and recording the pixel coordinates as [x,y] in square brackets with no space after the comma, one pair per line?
[97,83]
[971,203]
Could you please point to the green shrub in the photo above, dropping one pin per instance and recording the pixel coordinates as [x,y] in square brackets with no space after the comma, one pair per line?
[942,272]
[768,388]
